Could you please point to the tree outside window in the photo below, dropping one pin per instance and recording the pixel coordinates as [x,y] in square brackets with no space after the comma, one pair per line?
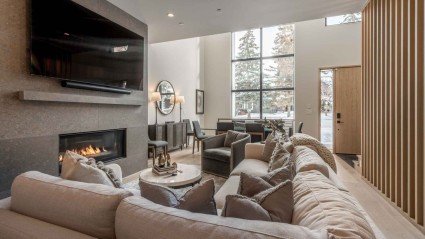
[263,73]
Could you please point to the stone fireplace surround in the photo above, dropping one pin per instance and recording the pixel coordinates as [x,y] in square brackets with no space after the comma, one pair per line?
[30,128]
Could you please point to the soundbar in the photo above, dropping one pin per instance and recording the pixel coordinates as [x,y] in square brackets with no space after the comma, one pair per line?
[96,87]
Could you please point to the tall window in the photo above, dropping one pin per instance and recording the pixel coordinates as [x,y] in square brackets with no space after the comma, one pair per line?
[263,69]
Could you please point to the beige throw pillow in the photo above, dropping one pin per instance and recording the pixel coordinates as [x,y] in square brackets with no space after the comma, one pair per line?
[280,156]
[269,146]
[199,199]
[76,167]
[273,204]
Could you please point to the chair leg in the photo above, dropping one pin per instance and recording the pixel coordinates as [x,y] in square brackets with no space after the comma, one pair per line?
[197,146]
[193,148]
[154,155]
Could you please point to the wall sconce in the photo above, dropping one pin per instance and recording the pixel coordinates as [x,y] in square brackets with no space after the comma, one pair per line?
[155,97]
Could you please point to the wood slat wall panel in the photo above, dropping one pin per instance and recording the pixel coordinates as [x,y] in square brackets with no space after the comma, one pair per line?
[393,102]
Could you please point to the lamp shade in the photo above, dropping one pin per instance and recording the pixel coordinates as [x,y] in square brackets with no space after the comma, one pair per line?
[180,99]
[155,96]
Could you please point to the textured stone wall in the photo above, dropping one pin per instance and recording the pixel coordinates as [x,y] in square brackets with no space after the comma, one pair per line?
[29,131]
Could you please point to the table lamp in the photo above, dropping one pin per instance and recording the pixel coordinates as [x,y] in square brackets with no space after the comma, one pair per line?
[155,97]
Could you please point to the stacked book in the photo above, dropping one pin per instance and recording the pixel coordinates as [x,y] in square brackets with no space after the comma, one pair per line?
[164,170]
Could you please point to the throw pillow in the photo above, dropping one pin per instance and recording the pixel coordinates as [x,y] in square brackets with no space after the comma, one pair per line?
[269,147]
[274,204]
[250,185]
[280,157]
[199,199]
[76,167]
[230,138]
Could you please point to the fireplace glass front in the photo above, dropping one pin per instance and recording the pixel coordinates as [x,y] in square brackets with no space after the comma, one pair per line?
[105,146]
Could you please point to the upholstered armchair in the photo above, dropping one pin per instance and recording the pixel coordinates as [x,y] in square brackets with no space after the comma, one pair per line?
[223,152]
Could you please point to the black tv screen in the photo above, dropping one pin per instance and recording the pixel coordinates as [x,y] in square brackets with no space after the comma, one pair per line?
[71,42]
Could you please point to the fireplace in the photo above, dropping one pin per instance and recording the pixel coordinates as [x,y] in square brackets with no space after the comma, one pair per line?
[105,146]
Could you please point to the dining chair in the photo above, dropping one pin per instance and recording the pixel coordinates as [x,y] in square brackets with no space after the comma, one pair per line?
[189,131]
[198,135]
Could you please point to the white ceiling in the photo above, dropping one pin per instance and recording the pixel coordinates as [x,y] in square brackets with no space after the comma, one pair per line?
[200,17]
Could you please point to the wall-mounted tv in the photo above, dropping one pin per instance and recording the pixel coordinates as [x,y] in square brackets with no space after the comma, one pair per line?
[71,42]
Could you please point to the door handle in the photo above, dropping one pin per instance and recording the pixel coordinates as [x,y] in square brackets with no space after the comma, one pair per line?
[339,122]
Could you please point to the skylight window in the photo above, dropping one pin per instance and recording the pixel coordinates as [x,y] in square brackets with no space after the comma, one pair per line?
[343,19]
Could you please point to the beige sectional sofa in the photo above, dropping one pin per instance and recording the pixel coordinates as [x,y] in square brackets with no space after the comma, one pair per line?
[44,206]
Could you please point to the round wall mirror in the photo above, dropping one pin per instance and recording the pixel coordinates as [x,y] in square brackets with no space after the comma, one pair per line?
[166,105]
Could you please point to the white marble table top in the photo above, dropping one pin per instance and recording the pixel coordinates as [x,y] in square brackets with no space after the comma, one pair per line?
[189,174]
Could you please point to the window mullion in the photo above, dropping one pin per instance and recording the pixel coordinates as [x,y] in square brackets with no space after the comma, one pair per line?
[261,73]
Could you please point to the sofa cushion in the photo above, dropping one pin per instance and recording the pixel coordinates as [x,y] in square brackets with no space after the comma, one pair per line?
[83,207]
[75,167]
[251,185]
[199,198]
[221,154]
[277,201]
[253,167]
[229,187]
[318,204]
[139,218]
[14,225]
[307,159]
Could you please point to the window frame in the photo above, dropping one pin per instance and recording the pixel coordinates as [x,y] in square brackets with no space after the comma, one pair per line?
[261,58]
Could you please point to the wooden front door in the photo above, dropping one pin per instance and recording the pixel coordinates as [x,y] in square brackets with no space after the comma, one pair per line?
[347,110]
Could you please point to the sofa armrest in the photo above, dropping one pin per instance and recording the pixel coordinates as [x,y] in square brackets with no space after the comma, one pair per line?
[238,151]
[117,170]
[216,141]
[254,151]
[5,203]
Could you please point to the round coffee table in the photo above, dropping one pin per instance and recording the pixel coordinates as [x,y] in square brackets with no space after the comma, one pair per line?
[189,175]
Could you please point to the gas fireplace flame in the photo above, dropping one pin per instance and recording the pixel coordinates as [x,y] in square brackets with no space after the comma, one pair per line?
[87,151]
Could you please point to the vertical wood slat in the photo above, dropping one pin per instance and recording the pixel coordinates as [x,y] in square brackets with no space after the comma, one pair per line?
[398,105]
[420,137]
[411,108]
[392,153]
[393,102]
[404,112]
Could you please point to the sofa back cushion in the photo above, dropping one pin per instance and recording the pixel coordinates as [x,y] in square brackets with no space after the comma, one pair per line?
[83,207]
[307,159]
[139,218]
[318,204]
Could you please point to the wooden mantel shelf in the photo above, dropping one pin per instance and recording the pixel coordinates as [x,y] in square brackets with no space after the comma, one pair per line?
[29,95]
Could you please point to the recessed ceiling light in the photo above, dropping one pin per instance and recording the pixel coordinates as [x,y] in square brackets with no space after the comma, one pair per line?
[66,33]
[181,23]
[170,15]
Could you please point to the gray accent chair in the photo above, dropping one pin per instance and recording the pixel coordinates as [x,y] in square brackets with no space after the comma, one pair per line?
[220,160]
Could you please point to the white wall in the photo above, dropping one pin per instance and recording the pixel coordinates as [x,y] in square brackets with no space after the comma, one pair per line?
[319,46]
[180,63]
[316,46]
[218,78]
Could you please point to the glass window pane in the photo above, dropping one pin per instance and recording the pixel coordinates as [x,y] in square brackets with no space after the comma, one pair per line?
[246,105]
[278,40]
[246,75]
[246,44]
[348,18]
[278,104]
[278,73]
